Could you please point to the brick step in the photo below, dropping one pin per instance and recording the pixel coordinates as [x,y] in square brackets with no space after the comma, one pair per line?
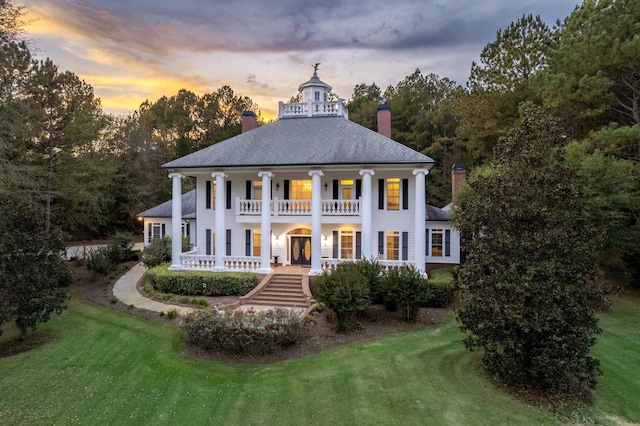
[283,288]
[283,294]
[283,303]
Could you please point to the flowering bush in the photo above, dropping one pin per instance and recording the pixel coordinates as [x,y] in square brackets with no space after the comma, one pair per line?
[238,331]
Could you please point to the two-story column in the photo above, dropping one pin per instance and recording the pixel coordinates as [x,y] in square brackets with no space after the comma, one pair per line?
[420,219]
[265,238]
[176,221]
[221,233]
[316,221]
[366,206]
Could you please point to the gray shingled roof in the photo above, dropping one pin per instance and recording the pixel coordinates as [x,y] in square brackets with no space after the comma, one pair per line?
[303,141]
[437,214]
[164,209]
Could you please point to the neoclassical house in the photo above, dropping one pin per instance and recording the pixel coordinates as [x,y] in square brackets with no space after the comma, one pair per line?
[311,189]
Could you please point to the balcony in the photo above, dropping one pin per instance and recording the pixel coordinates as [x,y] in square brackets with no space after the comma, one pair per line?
[278,207]
[312,109]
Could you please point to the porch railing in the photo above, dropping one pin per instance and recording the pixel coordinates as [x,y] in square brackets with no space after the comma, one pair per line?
[386,265]
[277,207]
[198,262]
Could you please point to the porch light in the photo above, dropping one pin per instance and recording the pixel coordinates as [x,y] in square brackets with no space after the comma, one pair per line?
[326,185]
[277,187]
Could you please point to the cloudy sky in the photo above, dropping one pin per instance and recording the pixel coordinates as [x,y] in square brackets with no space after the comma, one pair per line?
[132,50]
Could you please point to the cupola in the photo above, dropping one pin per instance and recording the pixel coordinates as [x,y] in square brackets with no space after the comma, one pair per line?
[315,90]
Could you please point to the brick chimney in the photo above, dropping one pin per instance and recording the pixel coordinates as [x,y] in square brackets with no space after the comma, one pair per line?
[384,120]
[458,178]
[249,121]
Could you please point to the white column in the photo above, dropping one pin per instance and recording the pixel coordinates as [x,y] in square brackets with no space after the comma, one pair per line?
[316,222]
[420,219]
[265,238]
[176,221]
[366,208]
[221,232]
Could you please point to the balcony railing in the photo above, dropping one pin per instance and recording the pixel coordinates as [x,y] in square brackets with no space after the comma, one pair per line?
[192,261]
[278,207]
[312,109]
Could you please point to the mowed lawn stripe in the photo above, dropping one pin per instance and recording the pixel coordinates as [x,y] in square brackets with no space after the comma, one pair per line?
[102,366]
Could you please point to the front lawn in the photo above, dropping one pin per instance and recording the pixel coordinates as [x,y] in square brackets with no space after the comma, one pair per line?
[101,366]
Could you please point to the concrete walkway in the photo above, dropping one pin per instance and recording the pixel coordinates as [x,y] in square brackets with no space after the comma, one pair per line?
[125,290]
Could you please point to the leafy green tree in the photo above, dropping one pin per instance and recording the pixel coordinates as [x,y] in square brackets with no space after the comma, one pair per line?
[502,82]
[33,273]
[528,298]
[593,74]
[66,116]
[363,105]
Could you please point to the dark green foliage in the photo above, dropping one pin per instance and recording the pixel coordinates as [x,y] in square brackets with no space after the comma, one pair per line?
[193,283]
[122,248]
[441,288]
[100,260]
[237,331]
[372,271]
[346,293]
[406,289]
[527,296]
[157,253]
[33,273]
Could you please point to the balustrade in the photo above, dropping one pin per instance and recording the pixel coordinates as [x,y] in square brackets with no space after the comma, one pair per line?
[278,207]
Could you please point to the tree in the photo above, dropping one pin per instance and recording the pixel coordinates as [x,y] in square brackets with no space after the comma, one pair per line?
[363,105]
[33,273]
[593,74]
[528,296]
[66,115]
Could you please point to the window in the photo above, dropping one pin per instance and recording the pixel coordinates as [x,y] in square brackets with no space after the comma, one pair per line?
[301,189]
[156,232]
[316,96]
[346,246]
[257,190]
[436,242]
[393,194]
[393,245]
[347,189]
[257,242]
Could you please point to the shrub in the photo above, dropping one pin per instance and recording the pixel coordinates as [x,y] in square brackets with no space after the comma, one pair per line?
[407,289]
[345,292]
[157,253]
[195,283]
[238,331]
[372,271]
[122,248]
[100,260]
[172,314]
[441,288]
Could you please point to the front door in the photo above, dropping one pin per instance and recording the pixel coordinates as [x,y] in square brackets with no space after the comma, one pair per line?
[301,251]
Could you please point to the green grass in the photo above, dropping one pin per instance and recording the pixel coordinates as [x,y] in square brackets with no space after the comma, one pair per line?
[100,366]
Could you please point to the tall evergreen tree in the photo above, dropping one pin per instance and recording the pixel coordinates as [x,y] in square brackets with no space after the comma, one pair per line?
[528,297]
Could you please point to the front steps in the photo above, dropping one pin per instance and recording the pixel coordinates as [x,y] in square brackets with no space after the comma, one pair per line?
[280,290]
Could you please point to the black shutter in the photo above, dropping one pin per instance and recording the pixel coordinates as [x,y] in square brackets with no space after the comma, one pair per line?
[336,189]
[405,194]
[228,242]
[247,242]
[358,245]
[271,189]
[335,244]
[447,242]
[381,242]
[248,190]
[228,194]
[426,242]
[358,188]
[150,233]
[405,246]
[287,183]
[381,194]
[164,230]
[188,229]
[208,196]
[207,246]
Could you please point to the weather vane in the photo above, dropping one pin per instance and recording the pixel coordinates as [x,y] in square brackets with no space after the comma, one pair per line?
[315,67]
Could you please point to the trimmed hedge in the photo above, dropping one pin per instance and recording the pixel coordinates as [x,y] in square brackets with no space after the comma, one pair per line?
[237,331]
[196,283]
[441,289]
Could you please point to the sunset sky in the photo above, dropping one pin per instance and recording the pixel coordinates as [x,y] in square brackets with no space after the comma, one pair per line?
[132,50]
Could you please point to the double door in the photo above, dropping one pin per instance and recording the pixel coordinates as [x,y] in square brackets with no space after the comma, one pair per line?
[301,251]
